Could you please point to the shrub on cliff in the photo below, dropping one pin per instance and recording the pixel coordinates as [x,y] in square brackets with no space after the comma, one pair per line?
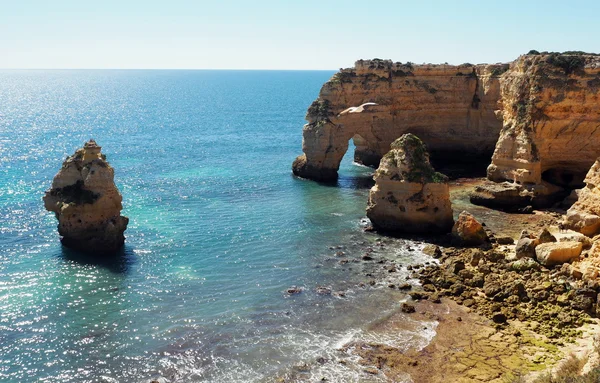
[319,109]
[567,62]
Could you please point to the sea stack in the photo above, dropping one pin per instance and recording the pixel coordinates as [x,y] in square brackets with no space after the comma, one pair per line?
[409,195]
[87,203]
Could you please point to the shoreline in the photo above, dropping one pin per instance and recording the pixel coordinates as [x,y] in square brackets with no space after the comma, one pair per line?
[468,345]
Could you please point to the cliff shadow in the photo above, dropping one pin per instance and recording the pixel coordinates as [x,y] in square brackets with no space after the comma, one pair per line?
[118,263]
[460,164]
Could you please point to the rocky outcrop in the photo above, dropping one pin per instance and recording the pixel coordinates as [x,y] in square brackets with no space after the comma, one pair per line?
[451,108]
[409,195]
[539,116]
[551,125]
[584,215]
[87,203]
[467,231]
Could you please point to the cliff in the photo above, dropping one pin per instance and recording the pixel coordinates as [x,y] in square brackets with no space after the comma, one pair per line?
[87,203]
[409,195]
[451,108]
[584,215]
[537,117]
[551,120]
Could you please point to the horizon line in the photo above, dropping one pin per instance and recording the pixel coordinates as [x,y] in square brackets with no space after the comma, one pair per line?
[207,69]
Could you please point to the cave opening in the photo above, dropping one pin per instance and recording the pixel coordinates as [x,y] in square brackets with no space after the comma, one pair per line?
[564,176]
[458,164]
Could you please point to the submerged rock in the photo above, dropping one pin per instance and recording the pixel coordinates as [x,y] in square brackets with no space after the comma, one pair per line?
[87,203]
[409,195]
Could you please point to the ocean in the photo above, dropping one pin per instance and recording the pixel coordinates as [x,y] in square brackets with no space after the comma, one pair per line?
[219,230]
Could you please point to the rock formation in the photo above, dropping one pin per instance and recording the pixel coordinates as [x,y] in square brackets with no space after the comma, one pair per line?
[584,215]
[551,126]
[409,195]
[451,108]
[87,203]
[539,116]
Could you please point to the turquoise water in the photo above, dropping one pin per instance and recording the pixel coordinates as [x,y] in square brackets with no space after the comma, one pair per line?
[219,228]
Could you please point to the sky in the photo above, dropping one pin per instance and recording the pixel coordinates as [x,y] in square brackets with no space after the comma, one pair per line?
[278,34]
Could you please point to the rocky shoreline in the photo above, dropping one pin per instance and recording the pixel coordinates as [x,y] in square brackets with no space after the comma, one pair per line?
[498,318]
[515,316]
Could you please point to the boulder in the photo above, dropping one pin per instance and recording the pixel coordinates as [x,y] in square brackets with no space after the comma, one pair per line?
[468,231]
[87,203]
[545,237]
[409,195]
[433,251]
[556,253]
[525,248]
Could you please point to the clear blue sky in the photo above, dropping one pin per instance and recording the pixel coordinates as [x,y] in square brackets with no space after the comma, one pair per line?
[270,34]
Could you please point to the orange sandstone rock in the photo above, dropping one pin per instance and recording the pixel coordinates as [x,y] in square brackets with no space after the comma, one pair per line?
[409,196]
[551,115]
[87,203]
[584,215]
[468,231]
[451,108]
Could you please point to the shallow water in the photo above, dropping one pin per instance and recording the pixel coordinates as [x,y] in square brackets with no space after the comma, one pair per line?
[218,230]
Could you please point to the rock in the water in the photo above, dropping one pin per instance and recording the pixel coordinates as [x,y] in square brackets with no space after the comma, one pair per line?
[556,253]
[584,215]
[409,195]
[468,231]
[87,203]
[514,197]
[433,251]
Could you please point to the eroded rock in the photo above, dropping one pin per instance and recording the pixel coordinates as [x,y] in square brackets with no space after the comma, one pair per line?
[458,104]
[409,195]
[584,215]
[551,111]
[87,203]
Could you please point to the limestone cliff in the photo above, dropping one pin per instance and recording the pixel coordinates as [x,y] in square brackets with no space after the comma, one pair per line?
[409,196]
[584,215]
[87,203]
[451,108]
[551,121]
